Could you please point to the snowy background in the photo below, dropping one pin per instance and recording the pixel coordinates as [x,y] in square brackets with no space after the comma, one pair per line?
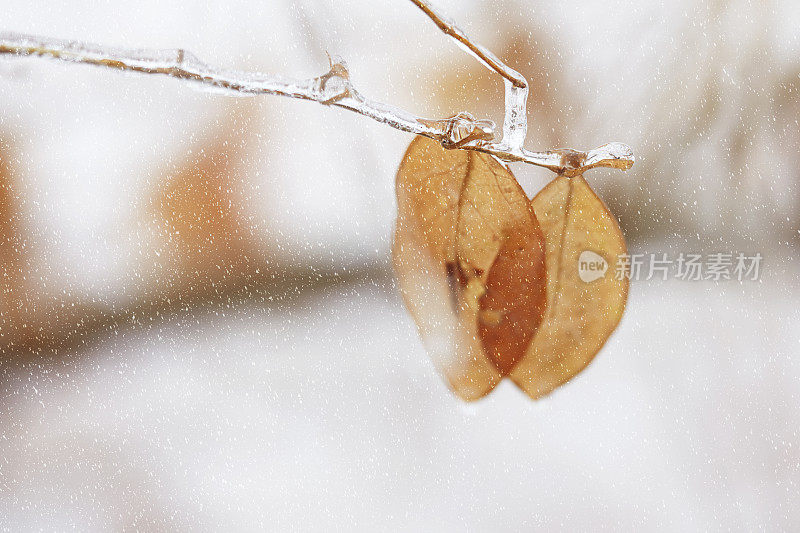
[199,328]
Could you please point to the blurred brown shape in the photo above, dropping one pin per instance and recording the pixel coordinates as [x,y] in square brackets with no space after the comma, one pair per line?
[203,252]
[208,239]
[209,250]
[14,307]
[30,317]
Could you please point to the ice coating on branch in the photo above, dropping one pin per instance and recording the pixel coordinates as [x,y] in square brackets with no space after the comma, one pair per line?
[462,129]
[335,88]
[612,155]
[515,125]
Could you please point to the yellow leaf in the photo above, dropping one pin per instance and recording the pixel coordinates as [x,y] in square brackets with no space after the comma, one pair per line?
[584,301]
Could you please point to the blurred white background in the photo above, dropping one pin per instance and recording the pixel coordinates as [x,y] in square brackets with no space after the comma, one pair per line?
[199,327]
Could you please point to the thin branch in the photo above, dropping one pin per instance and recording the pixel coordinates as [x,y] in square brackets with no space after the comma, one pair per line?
[335,89]
[485,55]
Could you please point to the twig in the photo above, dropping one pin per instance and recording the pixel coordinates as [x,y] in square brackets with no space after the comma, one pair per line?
[482,53]
[335,89]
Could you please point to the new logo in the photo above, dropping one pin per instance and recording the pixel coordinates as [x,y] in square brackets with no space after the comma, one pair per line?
[591,266]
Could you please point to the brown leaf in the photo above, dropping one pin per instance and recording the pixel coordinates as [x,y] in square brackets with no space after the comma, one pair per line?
[499,237]
[466,241]
[513,306]
[580,314]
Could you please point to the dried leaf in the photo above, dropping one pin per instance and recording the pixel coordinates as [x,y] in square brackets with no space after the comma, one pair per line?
[585,302]
[499,237]
[466,240]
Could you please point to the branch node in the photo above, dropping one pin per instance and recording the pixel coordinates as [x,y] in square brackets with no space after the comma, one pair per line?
[611,155]
[462,129]
[335,84]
